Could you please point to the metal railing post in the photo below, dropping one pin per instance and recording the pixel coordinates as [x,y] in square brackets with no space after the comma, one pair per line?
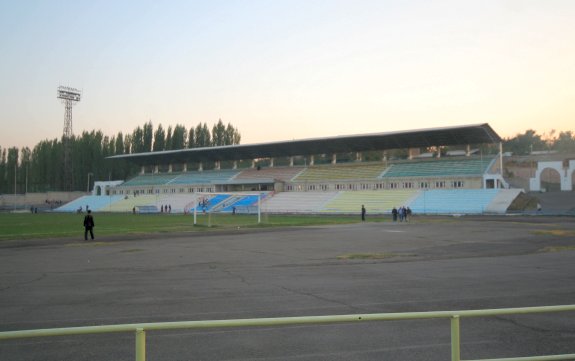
[140,344]
[455,340]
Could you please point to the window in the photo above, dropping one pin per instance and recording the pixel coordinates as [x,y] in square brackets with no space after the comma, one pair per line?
[457,184]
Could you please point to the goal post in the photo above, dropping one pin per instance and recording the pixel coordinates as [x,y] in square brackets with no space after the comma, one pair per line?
[226,207]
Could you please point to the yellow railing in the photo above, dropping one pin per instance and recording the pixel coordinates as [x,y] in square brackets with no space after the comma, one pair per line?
[454,316]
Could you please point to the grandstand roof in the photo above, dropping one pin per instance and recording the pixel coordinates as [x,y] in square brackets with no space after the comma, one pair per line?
[460,135]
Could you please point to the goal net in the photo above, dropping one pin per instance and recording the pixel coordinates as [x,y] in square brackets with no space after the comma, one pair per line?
[226,209]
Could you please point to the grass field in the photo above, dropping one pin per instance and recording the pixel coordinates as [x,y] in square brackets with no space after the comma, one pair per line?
[58,225]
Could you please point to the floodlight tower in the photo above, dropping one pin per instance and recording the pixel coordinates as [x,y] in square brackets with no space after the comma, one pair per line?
[68,96]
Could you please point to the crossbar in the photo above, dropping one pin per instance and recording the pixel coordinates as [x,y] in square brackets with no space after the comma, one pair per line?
[140,328]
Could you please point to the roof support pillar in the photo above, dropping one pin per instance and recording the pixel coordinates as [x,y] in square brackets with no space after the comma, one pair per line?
[217,165]
[333,158]
[438,151]
[358,156]
[201,167]
[253,163]
[413,152]
[384,156]
[468,150]
[170,168]
[291,161]
[143,170]
[235,166]
[156,169]
[185,167]
[271,162]
[311,160]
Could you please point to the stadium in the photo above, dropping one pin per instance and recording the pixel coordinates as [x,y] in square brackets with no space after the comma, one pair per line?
[452,170]
[345,290]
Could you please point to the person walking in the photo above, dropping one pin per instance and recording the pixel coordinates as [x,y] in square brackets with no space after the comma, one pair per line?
[89,225]
[362,213]
[394,214]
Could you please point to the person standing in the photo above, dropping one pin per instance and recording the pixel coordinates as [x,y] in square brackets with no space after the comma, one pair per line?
[362,213]
[394,214]
[88,225]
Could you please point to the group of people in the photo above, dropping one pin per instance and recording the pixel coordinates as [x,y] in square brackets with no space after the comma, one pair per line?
[403,213]
[203,203]
[166,209]
[80,209]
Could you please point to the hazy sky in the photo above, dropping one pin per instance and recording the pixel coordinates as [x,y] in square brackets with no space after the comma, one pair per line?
[280,70]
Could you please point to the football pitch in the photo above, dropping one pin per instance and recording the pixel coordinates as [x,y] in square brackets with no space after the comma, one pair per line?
[26,226]
[330,267]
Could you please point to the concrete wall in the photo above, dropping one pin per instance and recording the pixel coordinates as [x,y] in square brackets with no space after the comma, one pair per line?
[34,199]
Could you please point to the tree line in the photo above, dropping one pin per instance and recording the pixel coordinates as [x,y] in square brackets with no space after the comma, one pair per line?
[41,169]
[530,141]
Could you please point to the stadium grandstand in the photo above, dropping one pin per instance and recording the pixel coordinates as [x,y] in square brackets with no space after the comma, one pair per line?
[333,175]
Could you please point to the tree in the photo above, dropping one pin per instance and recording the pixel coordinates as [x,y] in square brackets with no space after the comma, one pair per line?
[11,168]
[219,134]
[179,137]
[138,140]
[3,175]
[25,168]
[148,135]
[128,144]
[232,135]
[203,138]
[191,138]
[565,142]
[159,139]
[525,143]
[169,139]
[119,144]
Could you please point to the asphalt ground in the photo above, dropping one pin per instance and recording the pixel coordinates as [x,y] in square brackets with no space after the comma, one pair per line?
[427,265]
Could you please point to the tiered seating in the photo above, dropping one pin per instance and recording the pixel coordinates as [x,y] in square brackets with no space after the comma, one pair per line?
[438,168]
[244,201]
[326,173]
[204,177]
[212,202]
[147,209]
[126,205]
[280,173]
[297,202]
[95,203]
[502,200]
[462,201]
[178,202]
[374,201]
[150,179]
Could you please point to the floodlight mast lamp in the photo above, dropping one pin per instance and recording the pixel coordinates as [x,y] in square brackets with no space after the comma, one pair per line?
[68,96]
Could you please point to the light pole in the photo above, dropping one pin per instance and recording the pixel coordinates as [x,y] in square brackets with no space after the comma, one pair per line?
[88,187]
